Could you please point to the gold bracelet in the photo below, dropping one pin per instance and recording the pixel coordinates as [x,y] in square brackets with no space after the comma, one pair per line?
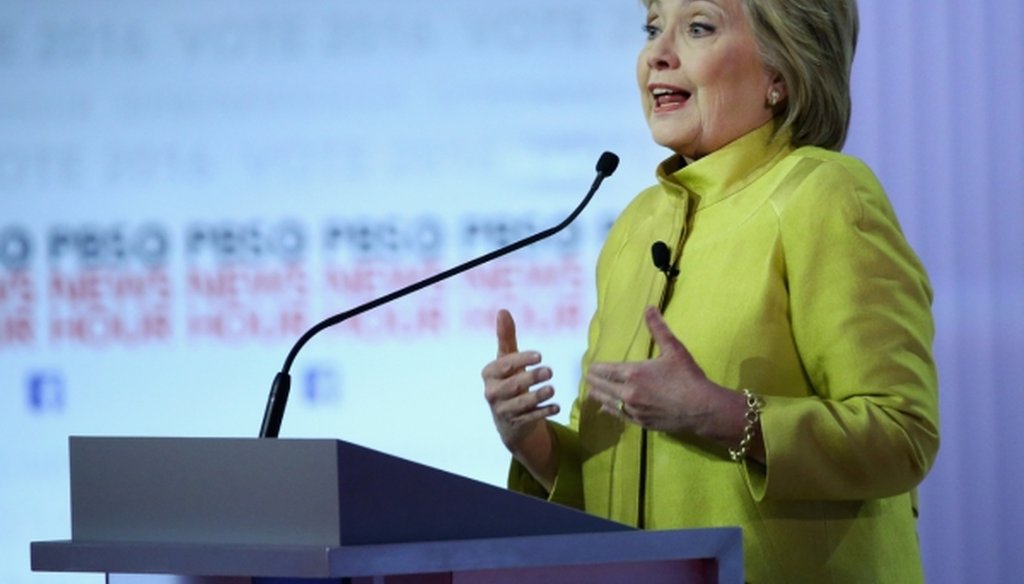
[752,416]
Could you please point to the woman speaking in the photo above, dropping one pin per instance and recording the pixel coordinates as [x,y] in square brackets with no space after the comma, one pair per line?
[771,366]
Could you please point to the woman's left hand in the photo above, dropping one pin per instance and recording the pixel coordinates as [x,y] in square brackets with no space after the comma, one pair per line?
[669,393]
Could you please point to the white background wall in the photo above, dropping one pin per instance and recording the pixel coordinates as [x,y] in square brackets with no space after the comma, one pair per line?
[185,186]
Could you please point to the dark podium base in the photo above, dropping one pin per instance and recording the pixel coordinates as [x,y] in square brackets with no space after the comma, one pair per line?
[651,557]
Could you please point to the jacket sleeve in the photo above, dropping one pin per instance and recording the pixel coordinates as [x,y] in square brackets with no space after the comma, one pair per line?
[860,307]
[568,487]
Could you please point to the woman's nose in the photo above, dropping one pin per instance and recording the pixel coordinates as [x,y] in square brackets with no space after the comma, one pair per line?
[661,52]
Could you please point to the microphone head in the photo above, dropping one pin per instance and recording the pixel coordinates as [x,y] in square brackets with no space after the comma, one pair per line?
[607,164]
[661,255]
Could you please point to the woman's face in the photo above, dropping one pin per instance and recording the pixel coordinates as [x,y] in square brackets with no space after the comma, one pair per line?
[702,82]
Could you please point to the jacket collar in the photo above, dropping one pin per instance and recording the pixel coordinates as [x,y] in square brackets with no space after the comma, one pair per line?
[726,171]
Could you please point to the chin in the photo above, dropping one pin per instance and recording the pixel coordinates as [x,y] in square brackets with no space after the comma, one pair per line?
[683,148]
[683,145]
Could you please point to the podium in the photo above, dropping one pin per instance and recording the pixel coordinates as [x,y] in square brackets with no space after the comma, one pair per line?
[241,511]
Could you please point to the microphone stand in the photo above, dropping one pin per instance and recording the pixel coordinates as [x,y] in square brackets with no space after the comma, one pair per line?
[281,386]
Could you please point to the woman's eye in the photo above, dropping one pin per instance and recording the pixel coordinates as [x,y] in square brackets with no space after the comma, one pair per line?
[651,31]
[699,29]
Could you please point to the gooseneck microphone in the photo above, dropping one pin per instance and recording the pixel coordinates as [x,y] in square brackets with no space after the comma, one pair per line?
[662,257]
[281,386]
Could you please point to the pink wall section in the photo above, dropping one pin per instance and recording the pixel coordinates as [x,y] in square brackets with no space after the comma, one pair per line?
[940,116]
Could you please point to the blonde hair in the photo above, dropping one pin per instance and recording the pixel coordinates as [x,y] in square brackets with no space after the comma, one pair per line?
[810,44]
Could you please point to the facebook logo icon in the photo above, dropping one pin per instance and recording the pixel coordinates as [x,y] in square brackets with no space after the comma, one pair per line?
[322,385]
[46,392]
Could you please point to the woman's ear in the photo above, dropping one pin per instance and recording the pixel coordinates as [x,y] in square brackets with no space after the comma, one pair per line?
[776,92]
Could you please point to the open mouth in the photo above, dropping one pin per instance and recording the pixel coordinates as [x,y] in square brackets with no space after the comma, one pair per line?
[666,97]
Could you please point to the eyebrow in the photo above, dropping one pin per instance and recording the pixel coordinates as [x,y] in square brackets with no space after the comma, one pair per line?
[716,3]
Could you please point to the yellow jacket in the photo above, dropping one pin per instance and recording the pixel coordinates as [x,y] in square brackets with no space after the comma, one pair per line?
[796,283]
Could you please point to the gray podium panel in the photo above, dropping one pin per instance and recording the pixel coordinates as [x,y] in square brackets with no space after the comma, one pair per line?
[288,492]
[258,511]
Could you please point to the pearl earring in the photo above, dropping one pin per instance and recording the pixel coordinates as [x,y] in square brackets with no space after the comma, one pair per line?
[773,97]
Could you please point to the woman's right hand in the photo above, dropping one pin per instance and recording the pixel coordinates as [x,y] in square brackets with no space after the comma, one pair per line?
[519,411]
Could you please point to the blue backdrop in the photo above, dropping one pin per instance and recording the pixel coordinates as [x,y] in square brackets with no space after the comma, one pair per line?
[184,187]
